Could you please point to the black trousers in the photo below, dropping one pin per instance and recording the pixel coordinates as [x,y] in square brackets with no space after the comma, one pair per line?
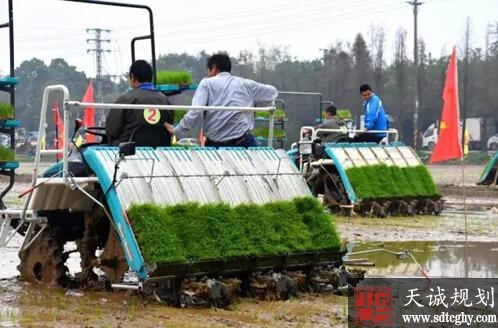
[246,140]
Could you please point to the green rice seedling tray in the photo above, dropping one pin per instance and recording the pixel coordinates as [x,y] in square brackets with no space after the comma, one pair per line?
[189,233]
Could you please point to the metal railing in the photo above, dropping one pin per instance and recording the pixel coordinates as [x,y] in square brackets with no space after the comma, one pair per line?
[69,106]
[307,132]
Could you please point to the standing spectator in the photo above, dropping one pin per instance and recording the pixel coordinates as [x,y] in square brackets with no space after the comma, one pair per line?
[220,88]
[375,116]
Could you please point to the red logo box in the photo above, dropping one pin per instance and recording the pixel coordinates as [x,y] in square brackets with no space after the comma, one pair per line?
[372,306]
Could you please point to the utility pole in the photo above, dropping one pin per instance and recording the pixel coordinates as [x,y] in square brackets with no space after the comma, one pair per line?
[415,4]
[97,42]
[466,79]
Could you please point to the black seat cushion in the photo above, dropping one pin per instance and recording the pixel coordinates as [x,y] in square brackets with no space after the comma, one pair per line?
[151,136]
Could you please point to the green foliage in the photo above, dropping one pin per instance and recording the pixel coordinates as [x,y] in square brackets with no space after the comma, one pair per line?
[35,76]
[388,182]
[336,73]
[7,154]
[6,110]
[344,113]
[279,114]
[178,115]
[217,231]
[263,133]
[173,77]
[473,158]
[183,61]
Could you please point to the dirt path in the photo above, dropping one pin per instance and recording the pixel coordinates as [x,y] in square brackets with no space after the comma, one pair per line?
[452,174]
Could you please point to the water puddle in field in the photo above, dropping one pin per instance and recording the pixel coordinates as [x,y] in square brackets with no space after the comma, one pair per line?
[9,292]
[437,258]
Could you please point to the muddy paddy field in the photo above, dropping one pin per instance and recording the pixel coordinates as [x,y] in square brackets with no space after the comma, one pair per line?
[443,245]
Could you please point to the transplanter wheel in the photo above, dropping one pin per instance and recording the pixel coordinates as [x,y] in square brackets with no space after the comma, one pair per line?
[112,260]
[42,261]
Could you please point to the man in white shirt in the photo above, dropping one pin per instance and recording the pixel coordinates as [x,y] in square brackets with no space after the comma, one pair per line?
[220,88]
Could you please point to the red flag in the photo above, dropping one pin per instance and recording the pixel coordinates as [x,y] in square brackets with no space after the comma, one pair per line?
[448,145]
[89,117]
[59,130]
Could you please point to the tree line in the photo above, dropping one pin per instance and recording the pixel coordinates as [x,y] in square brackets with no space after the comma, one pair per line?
[336,76]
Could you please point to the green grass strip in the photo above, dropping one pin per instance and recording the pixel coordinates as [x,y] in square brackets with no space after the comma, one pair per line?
[173,77]
[279,114]
[192,232]
[6,110]
[7,154]
[344,113]
[387,182]
[263,133]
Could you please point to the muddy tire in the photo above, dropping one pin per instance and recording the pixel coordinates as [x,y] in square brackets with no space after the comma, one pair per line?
[42,262]
[112,259]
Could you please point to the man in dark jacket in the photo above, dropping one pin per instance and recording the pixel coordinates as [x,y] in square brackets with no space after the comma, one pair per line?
[121,124]
[331,121]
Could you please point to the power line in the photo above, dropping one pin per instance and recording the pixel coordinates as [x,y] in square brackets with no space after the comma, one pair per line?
[255,23]
[259,29]
[248,23]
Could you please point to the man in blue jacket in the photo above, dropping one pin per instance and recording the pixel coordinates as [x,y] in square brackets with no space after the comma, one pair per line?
[375,116]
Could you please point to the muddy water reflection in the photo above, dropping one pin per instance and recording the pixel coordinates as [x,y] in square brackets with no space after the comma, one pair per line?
[9,261]
[9,295]
[439,259]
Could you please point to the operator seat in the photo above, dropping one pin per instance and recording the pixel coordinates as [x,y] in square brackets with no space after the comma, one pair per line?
[151,136]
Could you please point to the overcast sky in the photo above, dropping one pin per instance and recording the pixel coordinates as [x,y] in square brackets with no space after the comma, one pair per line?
[48,29]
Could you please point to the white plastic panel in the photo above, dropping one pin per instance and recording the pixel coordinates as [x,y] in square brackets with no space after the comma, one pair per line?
[192,176]
[369,156]
[175,175]
[382,155]
[351,156]
[279,173]
[223,176]
[343,157]
[258,189]
[409,155]
[396,156]
[355,156]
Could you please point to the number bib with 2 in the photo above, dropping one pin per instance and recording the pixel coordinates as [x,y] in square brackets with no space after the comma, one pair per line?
[152,115]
